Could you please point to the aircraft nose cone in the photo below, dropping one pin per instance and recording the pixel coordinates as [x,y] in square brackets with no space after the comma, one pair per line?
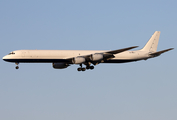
[4,58]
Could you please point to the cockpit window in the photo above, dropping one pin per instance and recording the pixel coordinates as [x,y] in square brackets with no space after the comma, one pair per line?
[12,53]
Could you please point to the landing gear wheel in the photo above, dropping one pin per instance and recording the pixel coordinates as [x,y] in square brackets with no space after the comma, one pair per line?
[88,67]
[83,69]
[16,67]
[91,67]
[79,69]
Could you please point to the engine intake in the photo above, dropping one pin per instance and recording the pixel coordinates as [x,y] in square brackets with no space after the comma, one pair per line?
[60,65]
[78,60]
[97,57]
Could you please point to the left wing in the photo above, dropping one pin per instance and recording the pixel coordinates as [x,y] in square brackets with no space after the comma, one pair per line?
[120,50]
[97,57]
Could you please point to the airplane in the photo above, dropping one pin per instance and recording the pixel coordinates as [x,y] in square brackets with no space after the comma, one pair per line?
[61,59]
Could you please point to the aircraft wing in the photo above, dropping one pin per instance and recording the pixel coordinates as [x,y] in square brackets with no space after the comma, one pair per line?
[112,52]
[160,52]
[120,50]
[97,56]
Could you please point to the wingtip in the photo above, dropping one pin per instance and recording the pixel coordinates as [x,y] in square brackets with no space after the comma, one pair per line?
[172,48]
[135,46]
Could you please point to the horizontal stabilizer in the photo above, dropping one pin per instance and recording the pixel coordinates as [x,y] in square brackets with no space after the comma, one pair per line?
[120,50]
[160,52]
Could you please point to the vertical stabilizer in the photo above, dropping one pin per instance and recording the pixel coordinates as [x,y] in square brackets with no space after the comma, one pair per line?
[152,44]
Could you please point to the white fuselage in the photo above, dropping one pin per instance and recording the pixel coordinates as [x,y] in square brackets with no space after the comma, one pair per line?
[61,55]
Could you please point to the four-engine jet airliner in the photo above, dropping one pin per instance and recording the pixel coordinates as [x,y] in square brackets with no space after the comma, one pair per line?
[61,59]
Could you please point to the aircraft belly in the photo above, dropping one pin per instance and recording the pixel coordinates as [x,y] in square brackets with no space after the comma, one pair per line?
[36,60]
[120,60]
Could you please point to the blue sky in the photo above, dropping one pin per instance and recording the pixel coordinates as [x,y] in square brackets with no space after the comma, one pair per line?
[140,90]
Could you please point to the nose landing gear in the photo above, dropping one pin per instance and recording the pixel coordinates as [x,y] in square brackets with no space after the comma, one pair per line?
[17,67]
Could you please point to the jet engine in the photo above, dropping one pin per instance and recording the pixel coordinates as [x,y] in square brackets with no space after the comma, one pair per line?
[60,65]
[78,60]
[97,57]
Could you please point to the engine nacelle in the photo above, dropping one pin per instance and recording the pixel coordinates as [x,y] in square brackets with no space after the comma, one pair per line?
[60,65]
[97,57]
[78,60]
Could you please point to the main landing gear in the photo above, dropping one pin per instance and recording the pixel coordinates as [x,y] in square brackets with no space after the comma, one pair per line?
[17,67]
[83,69]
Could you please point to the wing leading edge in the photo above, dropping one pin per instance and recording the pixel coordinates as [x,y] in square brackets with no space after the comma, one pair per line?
[120,50]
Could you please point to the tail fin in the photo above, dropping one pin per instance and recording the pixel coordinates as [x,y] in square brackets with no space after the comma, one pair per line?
[152,44]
